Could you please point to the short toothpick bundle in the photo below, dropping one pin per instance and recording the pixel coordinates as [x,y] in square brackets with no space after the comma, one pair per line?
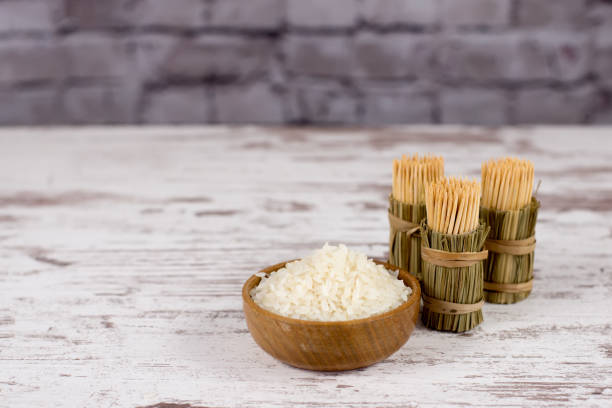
[510,210]
[407,208]
[452,253]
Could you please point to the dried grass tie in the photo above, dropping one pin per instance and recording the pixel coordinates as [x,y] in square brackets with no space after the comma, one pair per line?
[452,259]
[449,308]
[509,287]
[511,246]
[396,225]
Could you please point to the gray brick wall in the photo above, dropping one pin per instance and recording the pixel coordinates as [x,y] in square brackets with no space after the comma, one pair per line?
[363,62]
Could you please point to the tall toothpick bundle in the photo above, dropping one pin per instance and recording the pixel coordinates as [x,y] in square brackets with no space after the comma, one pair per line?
[407,208]
[510,210]
[452,252]
[412,174]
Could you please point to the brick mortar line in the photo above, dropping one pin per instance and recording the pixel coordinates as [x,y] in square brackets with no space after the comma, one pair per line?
[293,30]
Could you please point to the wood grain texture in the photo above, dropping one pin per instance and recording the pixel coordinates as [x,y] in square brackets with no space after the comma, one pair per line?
[332,346]
[123,252]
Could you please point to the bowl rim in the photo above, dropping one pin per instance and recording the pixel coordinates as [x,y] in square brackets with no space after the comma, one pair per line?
[415,296]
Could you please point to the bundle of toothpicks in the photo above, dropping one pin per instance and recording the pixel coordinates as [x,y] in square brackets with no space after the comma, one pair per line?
[452,255]
[407,208]
[510,210]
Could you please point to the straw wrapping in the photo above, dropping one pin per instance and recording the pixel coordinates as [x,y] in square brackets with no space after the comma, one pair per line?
[404,244]
[396,225]
[511,246]
[445,288]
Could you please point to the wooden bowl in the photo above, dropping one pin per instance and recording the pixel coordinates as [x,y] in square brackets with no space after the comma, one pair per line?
[332,346]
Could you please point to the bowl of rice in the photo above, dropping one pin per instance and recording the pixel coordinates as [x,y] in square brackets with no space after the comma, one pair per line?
[332,310]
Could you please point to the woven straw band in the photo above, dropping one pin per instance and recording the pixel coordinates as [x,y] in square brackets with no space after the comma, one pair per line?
[452,259]
[508,287]
[441,306]
[396,225]
[511,246]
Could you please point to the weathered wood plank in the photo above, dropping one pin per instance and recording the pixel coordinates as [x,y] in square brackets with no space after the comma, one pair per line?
[124,250]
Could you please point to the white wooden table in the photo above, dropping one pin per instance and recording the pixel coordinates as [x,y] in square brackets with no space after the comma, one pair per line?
[123,252]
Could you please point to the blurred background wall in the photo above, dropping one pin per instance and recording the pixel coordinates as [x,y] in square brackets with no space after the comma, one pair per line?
[367,62]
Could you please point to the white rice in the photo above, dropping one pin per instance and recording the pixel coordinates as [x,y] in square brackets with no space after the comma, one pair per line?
[334,283]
